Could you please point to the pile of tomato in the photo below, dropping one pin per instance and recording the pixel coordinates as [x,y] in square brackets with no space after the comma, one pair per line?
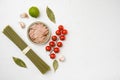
[56,43]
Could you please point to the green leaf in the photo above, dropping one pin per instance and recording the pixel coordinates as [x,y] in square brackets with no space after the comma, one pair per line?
[50,14]
[55,65]
[19,62]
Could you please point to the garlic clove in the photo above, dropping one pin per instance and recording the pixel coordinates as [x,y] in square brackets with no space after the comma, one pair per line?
[24,15]
[22,24]
[62,58]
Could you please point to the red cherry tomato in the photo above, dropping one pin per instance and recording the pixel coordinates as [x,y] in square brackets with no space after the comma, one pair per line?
[62,37]
[56,50]
[60,27]
[52,55]
[59,44]
[48,48]
[52,43]
[54,38]
[58,32]
[64,31]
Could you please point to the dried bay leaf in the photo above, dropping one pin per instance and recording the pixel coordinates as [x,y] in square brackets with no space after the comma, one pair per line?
[55,65]
[19,62]
[50,14]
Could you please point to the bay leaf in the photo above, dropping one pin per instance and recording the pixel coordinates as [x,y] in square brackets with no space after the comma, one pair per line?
[55,65]
[19,62]
[50,14]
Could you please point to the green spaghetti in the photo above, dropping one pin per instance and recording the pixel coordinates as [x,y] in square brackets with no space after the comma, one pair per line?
[36,60]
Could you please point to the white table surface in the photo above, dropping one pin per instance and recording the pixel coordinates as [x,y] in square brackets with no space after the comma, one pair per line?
[92,48]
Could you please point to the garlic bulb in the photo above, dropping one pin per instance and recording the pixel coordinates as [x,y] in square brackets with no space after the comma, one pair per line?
[62,58]
[22,24]
[24,15]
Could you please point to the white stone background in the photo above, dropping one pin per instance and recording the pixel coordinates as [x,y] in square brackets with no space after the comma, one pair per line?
[92,47]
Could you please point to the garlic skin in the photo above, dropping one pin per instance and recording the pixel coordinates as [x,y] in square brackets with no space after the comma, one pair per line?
[62,58]
[22,24]
[24,15]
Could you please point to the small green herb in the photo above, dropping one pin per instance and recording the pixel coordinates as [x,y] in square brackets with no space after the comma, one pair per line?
[50,14]
[19,62]
[55,65]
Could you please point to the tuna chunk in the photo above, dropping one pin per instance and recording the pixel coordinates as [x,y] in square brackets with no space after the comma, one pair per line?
[38,33]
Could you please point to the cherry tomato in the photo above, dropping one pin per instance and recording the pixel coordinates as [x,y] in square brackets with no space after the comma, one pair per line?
[60,27]
[54,38]
[52,43]
[64,31]
[48,48]
[58,32]
[52,55]
[62,37]
[56,50]
[59,44]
